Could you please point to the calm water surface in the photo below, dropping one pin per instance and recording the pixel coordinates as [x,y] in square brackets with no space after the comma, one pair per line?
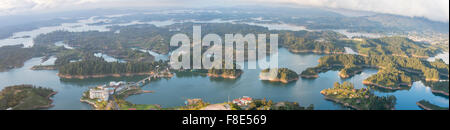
[173,92]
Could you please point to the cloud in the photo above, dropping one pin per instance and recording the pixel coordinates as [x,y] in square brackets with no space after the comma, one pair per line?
[25,6]
[437,10]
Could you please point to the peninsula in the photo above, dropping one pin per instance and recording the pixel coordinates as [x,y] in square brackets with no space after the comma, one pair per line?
[426,105]
[359,99]
[25,97]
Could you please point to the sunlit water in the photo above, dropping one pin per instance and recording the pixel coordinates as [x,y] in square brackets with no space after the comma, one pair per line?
[407,99]
[173,92]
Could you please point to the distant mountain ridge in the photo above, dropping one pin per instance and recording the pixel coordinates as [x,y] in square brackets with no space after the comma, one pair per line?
[405,23]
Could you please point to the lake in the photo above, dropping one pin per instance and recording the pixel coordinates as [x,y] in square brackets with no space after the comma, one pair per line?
[173,92]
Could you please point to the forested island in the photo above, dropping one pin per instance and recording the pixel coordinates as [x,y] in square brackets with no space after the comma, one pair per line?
[426,105]
[14,56]
[225,73]
[282,75]
[359,99]
[213,73]
[234,73]
[25,97]
[396,46]
[394,71]
[440,88]
[97,67]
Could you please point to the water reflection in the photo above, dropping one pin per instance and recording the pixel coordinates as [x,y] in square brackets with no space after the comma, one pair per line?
[407,99]
[174,91]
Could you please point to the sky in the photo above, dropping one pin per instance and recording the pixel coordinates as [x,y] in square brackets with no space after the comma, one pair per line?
[437,10]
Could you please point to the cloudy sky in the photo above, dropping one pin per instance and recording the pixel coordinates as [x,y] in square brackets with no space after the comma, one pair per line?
[437,10]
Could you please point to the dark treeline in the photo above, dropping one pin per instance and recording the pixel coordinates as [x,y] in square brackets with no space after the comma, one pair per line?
[158,38]
[98,66]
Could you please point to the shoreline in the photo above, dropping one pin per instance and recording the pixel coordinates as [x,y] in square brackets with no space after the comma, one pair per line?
[439,92]
[342,103]
[384,87]
[100,75]
[314,51]
[140,91]
[93,105]
[44,67]
[310,76]
[124,94]
[277,80]
[345,76]
[50,103]
[423,106]
[224,76]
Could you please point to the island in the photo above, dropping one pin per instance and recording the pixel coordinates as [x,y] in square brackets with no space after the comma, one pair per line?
[225,73]
[426,105]
[25,97]
[395,72]
[358,99]
[439,88]
[98,67]
[234,73]
[282,75]
[212,73]
[14,56]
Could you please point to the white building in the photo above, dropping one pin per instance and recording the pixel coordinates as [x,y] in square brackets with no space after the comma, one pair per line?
[102,94]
